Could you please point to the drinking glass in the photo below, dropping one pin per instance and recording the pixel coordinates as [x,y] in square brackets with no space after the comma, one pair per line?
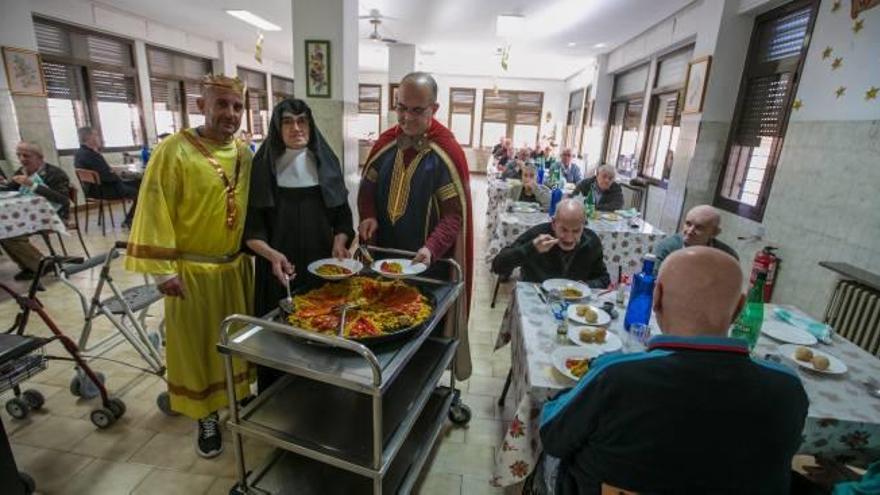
[637,337]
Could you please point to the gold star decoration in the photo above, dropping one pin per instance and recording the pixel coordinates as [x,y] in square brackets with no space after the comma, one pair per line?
[835,6]
[837,63]
[797,104]
[871,94]
[840,91]
[826,53]
[858,25]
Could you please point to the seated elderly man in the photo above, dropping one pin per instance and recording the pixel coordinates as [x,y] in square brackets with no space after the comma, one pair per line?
[89,157]
[692,414]
[570,170]
[34,177]
[531,191]
[563,248]
[701,228]
[607,194]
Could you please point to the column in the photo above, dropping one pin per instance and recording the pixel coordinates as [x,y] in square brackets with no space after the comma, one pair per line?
[335,21]
[401,61]
[143,77]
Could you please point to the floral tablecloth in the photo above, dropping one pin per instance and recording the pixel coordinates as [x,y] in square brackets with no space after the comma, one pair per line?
[843,421]
[27,214]
[498,192]
[622,244]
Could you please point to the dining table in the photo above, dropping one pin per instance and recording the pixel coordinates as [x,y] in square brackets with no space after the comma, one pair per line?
[843,421]
[25,214]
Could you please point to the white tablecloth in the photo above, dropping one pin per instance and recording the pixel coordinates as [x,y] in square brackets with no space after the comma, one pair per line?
[843,420]
[27,214]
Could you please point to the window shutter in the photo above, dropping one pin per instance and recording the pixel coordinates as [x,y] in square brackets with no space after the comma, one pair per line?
[161,62]
[784,37]
[462,100]
[61,81]
[282,86]
[109,51]
[113,86]
[252,78]
[52,39]
[167,92]
[193,92]
[633,116]
[369,98]
[763,109]
[631,82]
[672,69]
[195,68]
[575,99]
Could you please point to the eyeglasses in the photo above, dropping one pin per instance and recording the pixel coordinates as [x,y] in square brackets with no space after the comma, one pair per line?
[417,111]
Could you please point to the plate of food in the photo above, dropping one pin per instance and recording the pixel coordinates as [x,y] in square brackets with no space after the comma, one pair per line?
[573,362]
[377,310]
[595,337]
[398,267]
[569,290]
[813,359]
[610,217]
[9,194]
[789,334]
[588,315]
[524,207]
[335,269]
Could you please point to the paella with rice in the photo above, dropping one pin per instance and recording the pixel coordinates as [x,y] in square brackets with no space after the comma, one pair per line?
[376,307]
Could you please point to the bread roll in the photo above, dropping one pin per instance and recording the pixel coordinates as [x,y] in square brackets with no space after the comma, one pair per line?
[803,354]
[821,363]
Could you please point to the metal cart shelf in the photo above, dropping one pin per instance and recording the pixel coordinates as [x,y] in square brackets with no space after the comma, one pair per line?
[346,419]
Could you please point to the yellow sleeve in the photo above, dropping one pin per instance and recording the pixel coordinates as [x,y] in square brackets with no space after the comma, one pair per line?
[152,245]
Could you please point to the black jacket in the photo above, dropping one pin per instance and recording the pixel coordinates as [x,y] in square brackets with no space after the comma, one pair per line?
[612,199]
[587,264]
[56,188]
[690,416]
[90,159]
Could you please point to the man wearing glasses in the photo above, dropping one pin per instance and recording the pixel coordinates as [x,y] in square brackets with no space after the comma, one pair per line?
[414,194]
[570,170]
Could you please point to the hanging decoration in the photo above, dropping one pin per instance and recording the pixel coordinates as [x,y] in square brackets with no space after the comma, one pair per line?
[258,49]
[836,63]
[858,25]
[840,91]
[861,5]
[826,53]
[871,94]
[797,104]
[835,6]
[505,57]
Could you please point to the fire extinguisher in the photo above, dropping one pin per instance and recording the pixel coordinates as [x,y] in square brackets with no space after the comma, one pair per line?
[766,261]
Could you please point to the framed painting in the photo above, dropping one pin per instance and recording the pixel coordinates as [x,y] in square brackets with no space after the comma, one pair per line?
[392,96]
[24,72]
[318,69]
[695,90]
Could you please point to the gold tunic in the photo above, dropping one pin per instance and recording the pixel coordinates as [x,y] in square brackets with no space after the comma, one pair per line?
[182,214]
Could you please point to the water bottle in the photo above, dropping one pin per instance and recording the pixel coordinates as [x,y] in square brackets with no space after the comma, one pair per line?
[748,325]
[540,169]
[641,297]
[555,198]
[145,155]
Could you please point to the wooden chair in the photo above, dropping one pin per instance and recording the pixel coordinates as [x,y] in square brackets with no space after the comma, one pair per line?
[91,177]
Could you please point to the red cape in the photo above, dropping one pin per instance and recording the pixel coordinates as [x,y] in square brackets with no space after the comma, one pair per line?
[443,137]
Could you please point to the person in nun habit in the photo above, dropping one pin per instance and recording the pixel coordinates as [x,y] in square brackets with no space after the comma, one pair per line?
[298,208]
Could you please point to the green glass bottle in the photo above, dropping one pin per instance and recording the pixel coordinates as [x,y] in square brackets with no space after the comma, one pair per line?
[748,325]
[590,205]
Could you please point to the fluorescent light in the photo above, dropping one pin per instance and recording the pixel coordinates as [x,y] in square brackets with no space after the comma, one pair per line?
[254,20]
[506,26]
[599,45]
[571,44]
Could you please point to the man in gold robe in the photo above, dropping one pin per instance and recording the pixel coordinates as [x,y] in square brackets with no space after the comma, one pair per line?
[187,234]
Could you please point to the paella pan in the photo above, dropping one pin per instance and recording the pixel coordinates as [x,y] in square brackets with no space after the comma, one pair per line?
[373,310]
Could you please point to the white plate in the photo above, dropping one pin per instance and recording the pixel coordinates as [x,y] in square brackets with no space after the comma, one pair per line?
[611,344]
[354,265]
[835,365]
[409,268]
[602,317]
[9,194]
[525,207]
[789,334]
[561,283]
[561,354]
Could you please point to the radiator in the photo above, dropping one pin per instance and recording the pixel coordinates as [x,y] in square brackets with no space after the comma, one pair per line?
[854,313]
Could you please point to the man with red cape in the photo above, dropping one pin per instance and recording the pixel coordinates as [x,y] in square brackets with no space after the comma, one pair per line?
[415,195]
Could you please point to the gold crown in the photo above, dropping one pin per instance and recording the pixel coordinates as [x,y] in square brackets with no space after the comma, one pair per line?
[221,81]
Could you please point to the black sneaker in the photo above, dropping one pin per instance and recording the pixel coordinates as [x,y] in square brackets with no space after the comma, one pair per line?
[209,443]
[24,275]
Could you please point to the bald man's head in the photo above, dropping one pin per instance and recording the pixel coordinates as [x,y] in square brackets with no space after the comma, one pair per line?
[701,224]
[416,103]
[698,292]
[568,223]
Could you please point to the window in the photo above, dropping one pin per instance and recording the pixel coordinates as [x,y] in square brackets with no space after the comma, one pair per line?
[282,88]
[664,118]
[574,118]
[368,123]
[256,104]
[461,114]
[513,114]
[175,84]
[624,129]
[392,96]
[775,59]
[90,81]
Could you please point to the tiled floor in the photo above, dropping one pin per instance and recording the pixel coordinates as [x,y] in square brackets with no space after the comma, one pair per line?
[149,453]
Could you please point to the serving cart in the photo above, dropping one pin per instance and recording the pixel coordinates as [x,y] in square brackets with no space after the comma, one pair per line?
[346,418]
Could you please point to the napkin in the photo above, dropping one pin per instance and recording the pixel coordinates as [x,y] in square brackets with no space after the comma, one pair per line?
[819,330]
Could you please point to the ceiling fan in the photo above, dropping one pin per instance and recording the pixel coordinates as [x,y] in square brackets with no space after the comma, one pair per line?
[375,18]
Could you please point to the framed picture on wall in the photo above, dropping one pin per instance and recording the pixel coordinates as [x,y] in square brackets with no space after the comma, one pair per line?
[695,90]
[318,69]
[392,96]
[24,72]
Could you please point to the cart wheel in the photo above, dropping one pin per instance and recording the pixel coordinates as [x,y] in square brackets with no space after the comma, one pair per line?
[30,486]
[89,390]
[164,403]
[17,408]
[75,386]
[102,418]
[459,413]
[237,490]
[116,406]
[34,399]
